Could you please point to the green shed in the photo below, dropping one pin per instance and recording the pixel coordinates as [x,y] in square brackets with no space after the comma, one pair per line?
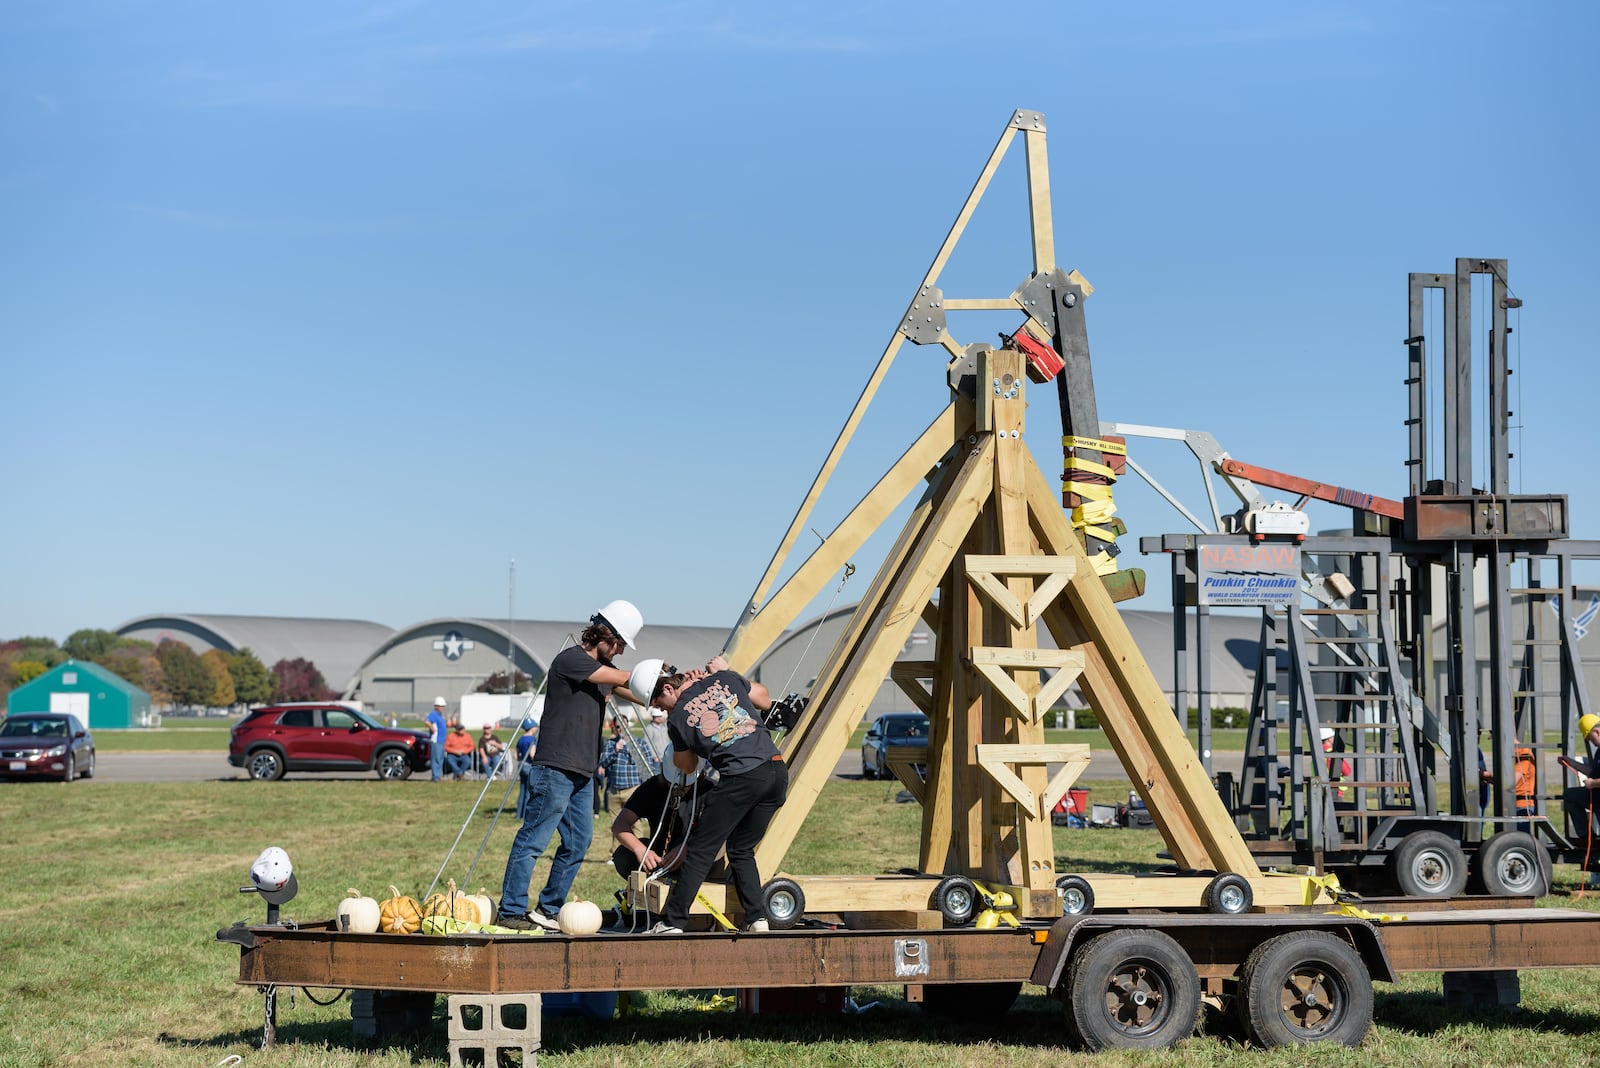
[101,698]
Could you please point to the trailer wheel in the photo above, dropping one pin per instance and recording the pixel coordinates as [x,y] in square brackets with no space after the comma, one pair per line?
[970,1001]
[1132,989]
[785,903]
[1305,986]
[1077,896]
[1229,894]
[1514,864]
[1429,864]
[956,899]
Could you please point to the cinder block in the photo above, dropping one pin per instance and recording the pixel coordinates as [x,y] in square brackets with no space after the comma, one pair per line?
[485,1028]
[387,1013]
[1482,990]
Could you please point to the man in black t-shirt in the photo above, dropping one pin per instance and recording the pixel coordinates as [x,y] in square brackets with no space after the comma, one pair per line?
[668,810]
[559,781]
[715,714]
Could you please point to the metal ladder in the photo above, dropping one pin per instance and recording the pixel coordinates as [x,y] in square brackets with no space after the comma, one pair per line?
[1332,666]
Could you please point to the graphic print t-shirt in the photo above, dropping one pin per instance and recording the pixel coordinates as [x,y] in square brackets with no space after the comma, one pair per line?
[714,718]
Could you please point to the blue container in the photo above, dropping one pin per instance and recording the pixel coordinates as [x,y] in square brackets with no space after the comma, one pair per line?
[599,1005]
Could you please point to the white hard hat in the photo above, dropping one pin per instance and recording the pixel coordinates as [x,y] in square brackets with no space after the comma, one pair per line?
[642,679]
[1326,734]
[676,775]
[438,702]
[624,618]
[271,870]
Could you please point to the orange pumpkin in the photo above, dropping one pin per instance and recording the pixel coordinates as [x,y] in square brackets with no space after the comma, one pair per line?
[399,914]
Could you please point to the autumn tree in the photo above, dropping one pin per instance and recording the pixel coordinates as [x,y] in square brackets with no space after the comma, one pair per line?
[91,644]
[496,683]
[136,663]
[187,680]
[299,680]
[252,682]
[222,691]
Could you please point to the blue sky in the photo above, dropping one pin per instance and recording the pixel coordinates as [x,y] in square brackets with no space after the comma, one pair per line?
[337,309]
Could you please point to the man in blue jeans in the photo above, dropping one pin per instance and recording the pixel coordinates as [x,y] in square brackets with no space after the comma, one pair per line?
[559,784]
[436,720]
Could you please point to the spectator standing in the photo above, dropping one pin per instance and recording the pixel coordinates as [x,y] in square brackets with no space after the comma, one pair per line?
[655,736]
[438,725]
[619,764]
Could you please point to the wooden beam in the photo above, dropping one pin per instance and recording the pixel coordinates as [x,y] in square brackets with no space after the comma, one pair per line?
[891,624]
[985,572]
[876,378]
[993,664]
[999,760]
[756,631]
[1133,710]
[912,677]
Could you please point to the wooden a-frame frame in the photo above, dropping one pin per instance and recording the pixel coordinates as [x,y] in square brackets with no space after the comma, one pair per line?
[985,557]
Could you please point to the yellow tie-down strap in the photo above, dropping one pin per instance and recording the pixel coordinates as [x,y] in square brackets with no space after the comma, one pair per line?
[1315,885]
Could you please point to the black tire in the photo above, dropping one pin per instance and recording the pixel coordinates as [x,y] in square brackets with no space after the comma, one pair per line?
[1077,896]
[1305,986]
[866,772]
[393,764]
[88,772]
[72,769]
[970,1001]
[265,765]
[785,903]
[1513,864]
[1429,864]
[956,899]
[1229,894]
[1132,989]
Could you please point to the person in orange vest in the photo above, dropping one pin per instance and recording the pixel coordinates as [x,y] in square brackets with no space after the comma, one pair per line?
[1338,767]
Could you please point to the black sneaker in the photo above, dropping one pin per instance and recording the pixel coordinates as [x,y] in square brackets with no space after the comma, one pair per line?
[516,923]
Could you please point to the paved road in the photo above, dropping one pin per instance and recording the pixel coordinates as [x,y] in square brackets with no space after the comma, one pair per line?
[202,766]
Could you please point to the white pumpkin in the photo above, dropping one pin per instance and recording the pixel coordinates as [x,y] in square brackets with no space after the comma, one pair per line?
[357,913]
[579,918]
[485,905]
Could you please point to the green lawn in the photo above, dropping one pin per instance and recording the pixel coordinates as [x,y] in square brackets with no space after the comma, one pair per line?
[120,967]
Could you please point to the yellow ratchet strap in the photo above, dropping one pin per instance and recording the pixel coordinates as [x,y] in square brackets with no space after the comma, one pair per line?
[716,913]
[1345,900]
[718,1003]
[1097,507]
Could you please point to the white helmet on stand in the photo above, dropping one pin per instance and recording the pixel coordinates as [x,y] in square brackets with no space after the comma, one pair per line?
[623,618]
[272,870]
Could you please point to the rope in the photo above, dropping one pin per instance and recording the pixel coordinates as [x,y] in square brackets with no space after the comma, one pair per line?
[849,570]
[510,747]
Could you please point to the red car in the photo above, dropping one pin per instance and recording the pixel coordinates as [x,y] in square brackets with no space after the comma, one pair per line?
[45,745]
[323,736]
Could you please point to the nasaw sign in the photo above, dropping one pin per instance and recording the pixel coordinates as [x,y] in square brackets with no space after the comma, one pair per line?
[1238,574]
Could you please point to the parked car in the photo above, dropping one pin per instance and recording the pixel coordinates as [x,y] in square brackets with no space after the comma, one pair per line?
[323,736]
[902,732]
[46,745]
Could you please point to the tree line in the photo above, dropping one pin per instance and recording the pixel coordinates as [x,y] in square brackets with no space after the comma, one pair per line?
[170,672]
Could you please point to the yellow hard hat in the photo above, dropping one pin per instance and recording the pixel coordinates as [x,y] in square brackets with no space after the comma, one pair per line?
[1588,723]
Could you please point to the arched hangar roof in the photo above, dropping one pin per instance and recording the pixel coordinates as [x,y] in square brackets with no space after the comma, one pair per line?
[336,646]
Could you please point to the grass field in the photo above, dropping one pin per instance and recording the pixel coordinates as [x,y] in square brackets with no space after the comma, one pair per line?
[114,895]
